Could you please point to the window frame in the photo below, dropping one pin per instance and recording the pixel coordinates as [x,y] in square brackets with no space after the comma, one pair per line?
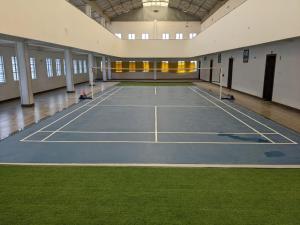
[2,71]
[32,63]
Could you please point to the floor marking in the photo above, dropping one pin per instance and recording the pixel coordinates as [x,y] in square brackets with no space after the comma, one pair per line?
[252,128]
[156,135]
[248,116]
[258,166]
[155,91]
[109,91]
[81,114]
[161,106]
[137,132]
[163,142]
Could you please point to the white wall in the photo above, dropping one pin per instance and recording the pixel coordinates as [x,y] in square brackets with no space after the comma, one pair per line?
[254,22]
[249,77]
[10,89]
[229,6]
[155,29]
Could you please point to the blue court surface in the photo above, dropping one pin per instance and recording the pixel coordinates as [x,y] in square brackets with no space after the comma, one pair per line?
[154,125]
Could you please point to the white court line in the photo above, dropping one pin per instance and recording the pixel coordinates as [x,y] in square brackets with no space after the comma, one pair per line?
[80,115]
[68,114]
[156,135]
[155,91]
[161,106]
[249,117]
[252,128]
[254,166]
[163,142]
[135,132]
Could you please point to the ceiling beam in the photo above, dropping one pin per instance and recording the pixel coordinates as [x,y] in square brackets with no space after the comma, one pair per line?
[97,8]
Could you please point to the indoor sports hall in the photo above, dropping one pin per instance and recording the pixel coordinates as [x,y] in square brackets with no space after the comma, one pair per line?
[149,112]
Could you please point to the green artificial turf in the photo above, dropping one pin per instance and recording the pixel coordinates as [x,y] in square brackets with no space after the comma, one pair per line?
[146,83]
[99,195]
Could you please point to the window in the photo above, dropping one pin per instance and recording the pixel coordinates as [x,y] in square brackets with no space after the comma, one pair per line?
[165,36]
[219,58]
[181,67]
[131,36]
[2,70]
[64,62]
[75,66]
[118,66]
[80,66]
[58,67]
[145,36]
[15,69]
[84,67]
[192,35]
[164,66]
[179,36]
[33,68]
[246,56]
[131,66]
[119,35]
[164,3]
[146,66]
[49,67]
[193,66]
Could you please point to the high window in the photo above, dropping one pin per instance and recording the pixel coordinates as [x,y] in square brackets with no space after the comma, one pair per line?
[164,3]
[58,67]
[165,36]
[2,70]
[131,36]
[15,69]
[49,67]
[145,36]
[119,35]
[179,36]
[192,35]
[33,68]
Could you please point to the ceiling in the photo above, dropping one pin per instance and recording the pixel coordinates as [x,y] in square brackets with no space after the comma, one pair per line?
[111,9]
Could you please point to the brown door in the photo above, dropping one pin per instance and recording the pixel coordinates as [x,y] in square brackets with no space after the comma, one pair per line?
[211,70]
[269,77]
[230,71]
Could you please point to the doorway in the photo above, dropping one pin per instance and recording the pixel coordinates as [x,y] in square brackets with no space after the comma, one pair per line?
[230,71]
[269,77]
[211,70]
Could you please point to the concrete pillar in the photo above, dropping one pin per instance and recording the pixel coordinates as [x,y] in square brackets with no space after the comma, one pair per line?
[104,68]
[25,86]
[88,10]
[155,70]
[109,68]
[69,71]
[91,65]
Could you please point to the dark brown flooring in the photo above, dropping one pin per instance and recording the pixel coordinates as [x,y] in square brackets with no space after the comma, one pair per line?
[283,115]
[13,117]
